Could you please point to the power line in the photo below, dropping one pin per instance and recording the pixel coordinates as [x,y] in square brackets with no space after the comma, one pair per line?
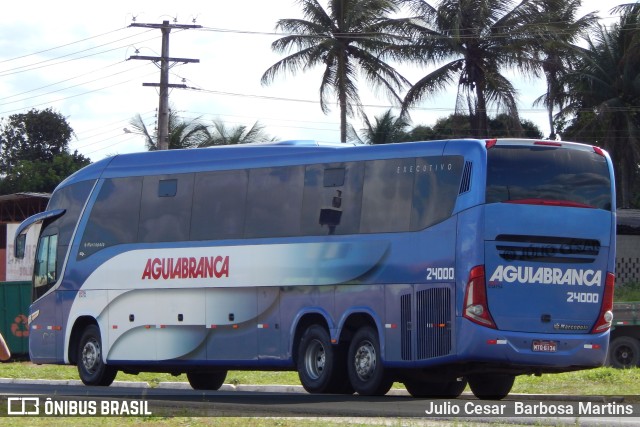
[74,96]
[69,87]
[34,66]
[61,46]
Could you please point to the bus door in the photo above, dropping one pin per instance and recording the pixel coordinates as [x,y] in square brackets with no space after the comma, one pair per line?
[46,324]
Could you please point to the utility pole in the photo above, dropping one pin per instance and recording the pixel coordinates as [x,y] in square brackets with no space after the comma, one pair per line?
[164,60]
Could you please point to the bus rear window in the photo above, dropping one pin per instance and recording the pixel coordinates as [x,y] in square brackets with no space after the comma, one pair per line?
[548,176]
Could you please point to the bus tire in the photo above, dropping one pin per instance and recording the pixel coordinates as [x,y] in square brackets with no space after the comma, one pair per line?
[491,386]
[440,390]
[211,380]
[91,368]
[624,352]
[319,366]
[364,364]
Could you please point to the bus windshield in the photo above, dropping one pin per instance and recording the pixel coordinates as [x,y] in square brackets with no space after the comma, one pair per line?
[548,176]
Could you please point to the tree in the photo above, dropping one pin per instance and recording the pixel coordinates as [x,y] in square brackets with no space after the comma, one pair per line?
[501,126]
[182,134]
[37,135]
[472,43]
[389,129]
[386,129]
[35,153]
[346,38]
[604,92]
[41,175]
[559,51]
[221,134]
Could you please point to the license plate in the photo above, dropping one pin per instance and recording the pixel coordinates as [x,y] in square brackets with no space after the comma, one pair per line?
[545,346]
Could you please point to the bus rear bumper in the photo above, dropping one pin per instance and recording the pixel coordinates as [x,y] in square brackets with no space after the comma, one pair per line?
[547,352]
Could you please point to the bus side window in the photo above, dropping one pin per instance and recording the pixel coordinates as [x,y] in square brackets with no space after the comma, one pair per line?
[332,198]
[165,209]
[435,189]
[219,205]
[276,202]
[114,216]
[45,265]
[387,195]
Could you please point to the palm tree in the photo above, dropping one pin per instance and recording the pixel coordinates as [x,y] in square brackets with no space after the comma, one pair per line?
[472,43]
[347,37]
[559,51]
[221,134]
[181,134]
[386,129]
[605,88]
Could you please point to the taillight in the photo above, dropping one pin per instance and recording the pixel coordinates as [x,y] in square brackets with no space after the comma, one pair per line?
[475,299]
[605,317]
[490,143]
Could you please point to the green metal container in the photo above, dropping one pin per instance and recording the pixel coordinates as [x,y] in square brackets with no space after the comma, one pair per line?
[15,298]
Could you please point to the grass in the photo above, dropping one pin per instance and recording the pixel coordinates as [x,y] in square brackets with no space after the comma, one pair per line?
[600,381]
[627,292]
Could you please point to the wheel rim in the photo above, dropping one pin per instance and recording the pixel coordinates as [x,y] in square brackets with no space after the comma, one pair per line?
[91,355]
[365,360]
[315,359]
[624,355]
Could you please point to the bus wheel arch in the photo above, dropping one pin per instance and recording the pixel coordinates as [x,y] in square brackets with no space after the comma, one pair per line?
[91,367]
[79,326]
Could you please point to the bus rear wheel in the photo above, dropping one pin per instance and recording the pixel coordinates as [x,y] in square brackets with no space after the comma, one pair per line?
[364,364]
[491,386]
[206,380]
[91,368]
[441,389]
[321,365]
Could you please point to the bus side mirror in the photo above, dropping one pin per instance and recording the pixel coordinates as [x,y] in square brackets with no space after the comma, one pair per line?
[19,246]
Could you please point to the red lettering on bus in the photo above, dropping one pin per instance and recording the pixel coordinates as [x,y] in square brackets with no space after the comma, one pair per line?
[186,268]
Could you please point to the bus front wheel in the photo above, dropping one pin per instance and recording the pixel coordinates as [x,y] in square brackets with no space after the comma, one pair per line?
[364,364]
[491,386]
[206,380]
[91,368]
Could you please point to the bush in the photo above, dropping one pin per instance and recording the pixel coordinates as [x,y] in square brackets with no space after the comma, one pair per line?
[627,292]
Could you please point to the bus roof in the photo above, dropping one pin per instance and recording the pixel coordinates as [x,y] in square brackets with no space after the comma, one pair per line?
[281,153]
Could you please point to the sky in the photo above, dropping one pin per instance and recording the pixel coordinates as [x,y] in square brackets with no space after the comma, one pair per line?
[73,58]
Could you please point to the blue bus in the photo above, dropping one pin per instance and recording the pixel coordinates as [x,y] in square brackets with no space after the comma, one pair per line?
[436,264]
